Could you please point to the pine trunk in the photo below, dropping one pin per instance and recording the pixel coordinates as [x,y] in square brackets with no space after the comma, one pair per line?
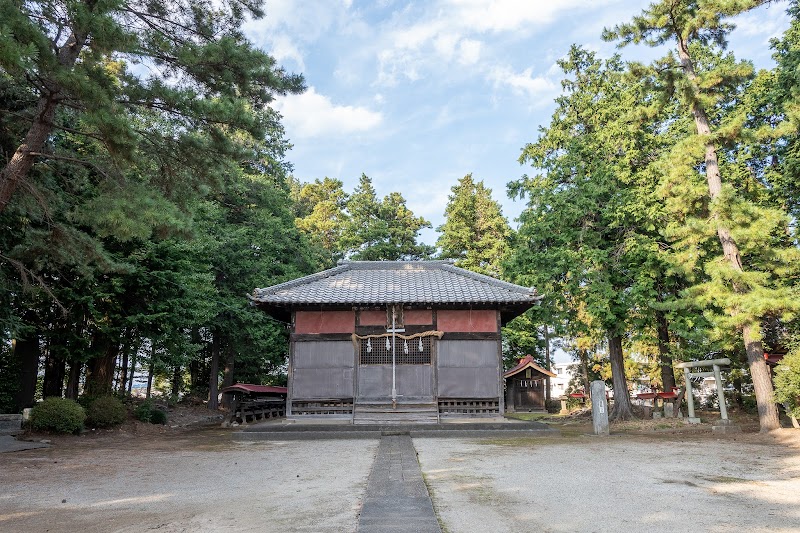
[177,380]
[549,365]
[122,382]
[664,355]
[26,356]
[762,381]
[213,379]
[74,380]
[150,371]
[54,371]
[623,409]
[584,357]
[132,372]
[20,163]
[100,375]
[227,375]
[767,410]
[194,363]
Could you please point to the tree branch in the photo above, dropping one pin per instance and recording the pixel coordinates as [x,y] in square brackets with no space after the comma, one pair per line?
[95,136]
[71,160]
[27,274]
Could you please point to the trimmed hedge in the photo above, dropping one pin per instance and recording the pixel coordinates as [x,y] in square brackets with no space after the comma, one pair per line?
[143,411]
[106,411]
[146,412]
[59,415]
[157,416]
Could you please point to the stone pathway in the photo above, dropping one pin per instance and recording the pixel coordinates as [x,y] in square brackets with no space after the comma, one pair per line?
[10,444]
[396,498]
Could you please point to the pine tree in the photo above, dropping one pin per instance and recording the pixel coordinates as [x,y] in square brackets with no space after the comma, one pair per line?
[381,230]
[320,214]
[579,235]
[475,233]
[742,281]
[208,84]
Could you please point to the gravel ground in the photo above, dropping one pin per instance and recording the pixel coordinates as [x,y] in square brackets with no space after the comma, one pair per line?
[628,483]
[200,482]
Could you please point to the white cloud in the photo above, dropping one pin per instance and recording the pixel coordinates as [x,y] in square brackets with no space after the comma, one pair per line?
[755,24]
[283,49]
[417,41]
[312,114]
[508,15]
[286,33]
[469,51]
[445,45]
[525,83]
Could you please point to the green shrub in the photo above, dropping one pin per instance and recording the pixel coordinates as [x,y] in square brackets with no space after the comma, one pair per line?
[749,404]
[575,403]
[147,412]
[787,383]
[59,415]
[157,416]
[144,411]
[85,401]
[106,411]
[553,406]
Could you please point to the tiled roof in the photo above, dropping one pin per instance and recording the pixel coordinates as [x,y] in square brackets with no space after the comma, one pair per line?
[255,389]
[527,362]
[385,282]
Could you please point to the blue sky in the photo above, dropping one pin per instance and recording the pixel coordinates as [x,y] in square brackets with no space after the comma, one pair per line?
[418,94]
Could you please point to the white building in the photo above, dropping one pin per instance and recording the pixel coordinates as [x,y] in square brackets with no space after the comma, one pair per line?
[564,373]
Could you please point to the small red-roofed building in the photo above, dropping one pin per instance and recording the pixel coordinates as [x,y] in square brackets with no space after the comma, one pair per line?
[526,385]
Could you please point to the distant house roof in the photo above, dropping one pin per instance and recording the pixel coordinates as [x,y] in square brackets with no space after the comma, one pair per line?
[527,362]
[395,282]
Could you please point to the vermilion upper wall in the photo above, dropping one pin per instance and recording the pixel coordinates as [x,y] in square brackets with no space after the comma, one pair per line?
[464,321]
[467,320]
[325,322]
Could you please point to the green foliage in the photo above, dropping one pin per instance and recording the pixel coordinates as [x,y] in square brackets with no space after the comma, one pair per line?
[553,406]
[147,412]
[58,415]
[163,203]
[777,117]
[320,208]
[9,379]
[749,404]
[210,83]
[572,242]
[729,236]
[381,230]
[587,235]
[144,411]
[157,416]
[521,338]
[475,233]
[787,383]
[106,411]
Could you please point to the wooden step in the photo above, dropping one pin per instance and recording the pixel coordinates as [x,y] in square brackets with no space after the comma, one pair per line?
[402,413]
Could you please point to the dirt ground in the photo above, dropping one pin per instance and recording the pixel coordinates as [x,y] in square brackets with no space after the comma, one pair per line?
[647,476]
[620,483]
[195,480]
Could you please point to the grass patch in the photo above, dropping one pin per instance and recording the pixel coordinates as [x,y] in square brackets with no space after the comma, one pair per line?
[726,479]
[539,417]
[442,525]
[523,442]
